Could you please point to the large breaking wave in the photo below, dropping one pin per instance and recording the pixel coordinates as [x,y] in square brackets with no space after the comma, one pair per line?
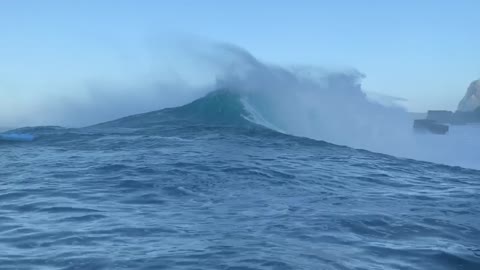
[332,106]
[300,101]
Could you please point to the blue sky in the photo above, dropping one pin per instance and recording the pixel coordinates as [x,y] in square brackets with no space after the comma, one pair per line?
[424,51]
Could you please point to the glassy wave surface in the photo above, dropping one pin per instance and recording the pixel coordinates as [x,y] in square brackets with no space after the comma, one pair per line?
[215,184]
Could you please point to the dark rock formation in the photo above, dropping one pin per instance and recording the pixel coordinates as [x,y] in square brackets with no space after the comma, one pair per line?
[425,125]
[440,116]
[464,118]
[454,118]
[468,112]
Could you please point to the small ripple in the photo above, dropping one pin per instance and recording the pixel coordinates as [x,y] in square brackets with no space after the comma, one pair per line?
[13,196]
[64,209]
[135,231]
[178,191]
[84,218]
[112,168]
[144,199]
[134,184]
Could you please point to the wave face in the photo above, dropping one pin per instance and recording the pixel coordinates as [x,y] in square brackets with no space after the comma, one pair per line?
[221,107]
[213,185]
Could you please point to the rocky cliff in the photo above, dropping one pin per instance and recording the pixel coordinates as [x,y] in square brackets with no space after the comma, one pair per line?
[471,101]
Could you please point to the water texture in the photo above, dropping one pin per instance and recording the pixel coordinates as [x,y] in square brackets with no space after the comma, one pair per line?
[202,187]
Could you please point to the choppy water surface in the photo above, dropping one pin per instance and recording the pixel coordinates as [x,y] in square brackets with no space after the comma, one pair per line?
[186,193]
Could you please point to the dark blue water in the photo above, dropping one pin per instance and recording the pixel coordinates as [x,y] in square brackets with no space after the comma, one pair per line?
[199,187]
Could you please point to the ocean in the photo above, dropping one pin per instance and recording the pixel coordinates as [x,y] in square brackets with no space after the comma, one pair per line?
[208,185]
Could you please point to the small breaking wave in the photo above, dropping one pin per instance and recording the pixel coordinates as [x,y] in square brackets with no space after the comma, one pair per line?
[17,137]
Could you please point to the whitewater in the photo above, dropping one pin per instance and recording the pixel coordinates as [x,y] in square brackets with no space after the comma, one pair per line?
[267,168]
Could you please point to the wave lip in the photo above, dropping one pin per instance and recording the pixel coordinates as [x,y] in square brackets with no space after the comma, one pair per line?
[221,106]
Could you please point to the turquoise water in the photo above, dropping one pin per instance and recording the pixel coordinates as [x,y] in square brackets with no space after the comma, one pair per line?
[201,187]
